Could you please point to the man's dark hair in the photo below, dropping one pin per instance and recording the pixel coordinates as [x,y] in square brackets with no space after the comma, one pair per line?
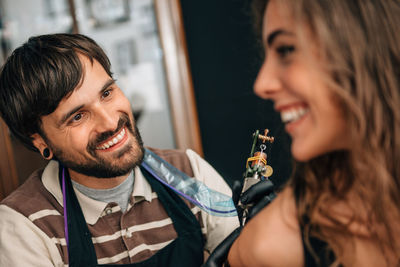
[38,75]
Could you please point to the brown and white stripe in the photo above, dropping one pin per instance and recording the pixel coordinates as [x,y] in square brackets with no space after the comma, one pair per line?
[118,238]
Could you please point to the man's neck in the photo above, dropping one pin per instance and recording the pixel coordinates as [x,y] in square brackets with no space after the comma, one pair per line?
[97,183]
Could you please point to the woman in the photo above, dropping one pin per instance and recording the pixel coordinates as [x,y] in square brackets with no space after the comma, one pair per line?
[332,68]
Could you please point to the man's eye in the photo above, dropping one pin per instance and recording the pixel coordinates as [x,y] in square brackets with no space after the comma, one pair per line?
[77,117]
[285,50]
[106,93]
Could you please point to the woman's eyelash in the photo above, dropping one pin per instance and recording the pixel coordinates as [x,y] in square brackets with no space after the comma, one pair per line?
[285,50]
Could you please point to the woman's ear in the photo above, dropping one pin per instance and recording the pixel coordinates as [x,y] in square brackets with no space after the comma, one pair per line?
[42,146]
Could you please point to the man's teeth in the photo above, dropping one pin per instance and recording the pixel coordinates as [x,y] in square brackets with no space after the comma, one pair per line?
[114,141]
[293,114]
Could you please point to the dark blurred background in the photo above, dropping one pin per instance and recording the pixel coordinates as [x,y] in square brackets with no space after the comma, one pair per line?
[224,58]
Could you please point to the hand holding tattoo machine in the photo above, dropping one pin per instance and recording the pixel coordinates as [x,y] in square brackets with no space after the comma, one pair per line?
[256,193]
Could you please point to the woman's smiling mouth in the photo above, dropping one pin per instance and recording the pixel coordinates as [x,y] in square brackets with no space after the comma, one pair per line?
[293,114]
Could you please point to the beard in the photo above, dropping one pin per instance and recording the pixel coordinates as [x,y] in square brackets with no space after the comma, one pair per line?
[101,167]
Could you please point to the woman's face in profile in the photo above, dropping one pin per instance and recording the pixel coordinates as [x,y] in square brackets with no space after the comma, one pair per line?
[291,77]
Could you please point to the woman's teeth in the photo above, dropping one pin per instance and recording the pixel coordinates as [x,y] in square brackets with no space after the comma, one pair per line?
[114,141]
[293,114]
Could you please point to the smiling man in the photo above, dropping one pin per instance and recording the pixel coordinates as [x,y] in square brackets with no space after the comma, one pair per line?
[96,202]
[91,131]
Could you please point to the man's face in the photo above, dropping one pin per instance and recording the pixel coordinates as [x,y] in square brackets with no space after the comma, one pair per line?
[92,131]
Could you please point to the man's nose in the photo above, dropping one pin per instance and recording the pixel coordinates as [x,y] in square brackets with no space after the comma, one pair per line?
[267,82]
[105,120]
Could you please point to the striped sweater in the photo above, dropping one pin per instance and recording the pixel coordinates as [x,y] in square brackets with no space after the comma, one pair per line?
[32,226]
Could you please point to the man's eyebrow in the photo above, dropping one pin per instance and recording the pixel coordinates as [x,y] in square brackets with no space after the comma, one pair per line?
[271,37]
[69,114]
[72,111]
[107,84]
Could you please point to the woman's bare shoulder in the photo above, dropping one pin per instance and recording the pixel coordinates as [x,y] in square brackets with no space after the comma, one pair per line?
[272,238]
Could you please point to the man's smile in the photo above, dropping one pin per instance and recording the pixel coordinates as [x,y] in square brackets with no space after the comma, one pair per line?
[114,141]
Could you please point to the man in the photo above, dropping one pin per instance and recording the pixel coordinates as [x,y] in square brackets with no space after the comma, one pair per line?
[97,202]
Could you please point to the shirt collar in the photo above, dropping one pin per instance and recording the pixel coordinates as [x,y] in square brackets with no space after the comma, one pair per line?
[141,188]
[92,209]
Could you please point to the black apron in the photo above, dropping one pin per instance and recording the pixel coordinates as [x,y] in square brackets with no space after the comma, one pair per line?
[186,250]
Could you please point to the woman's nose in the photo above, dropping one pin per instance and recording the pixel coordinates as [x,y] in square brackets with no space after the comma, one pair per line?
[267,82]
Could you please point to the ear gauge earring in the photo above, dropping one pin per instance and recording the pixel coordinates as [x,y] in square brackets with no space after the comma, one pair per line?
[46,153]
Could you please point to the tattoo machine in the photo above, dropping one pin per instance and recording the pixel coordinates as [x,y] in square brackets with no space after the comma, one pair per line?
[257,168]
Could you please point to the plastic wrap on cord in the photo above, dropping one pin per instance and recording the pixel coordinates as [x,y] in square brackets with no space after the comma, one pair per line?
[207,199]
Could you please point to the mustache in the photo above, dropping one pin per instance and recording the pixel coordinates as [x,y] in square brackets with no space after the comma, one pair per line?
[123,121]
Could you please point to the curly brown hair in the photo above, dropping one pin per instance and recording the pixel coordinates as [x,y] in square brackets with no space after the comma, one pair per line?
[361,41]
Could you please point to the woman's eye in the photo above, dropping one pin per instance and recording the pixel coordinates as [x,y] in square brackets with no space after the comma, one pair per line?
[285,50]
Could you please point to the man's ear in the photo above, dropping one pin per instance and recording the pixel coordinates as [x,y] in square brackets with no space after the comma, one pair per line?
[42,146]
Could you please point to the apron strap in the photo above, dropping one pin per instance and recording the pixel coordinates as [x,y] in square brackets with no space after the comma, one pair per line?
[182,217]
[79,253]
